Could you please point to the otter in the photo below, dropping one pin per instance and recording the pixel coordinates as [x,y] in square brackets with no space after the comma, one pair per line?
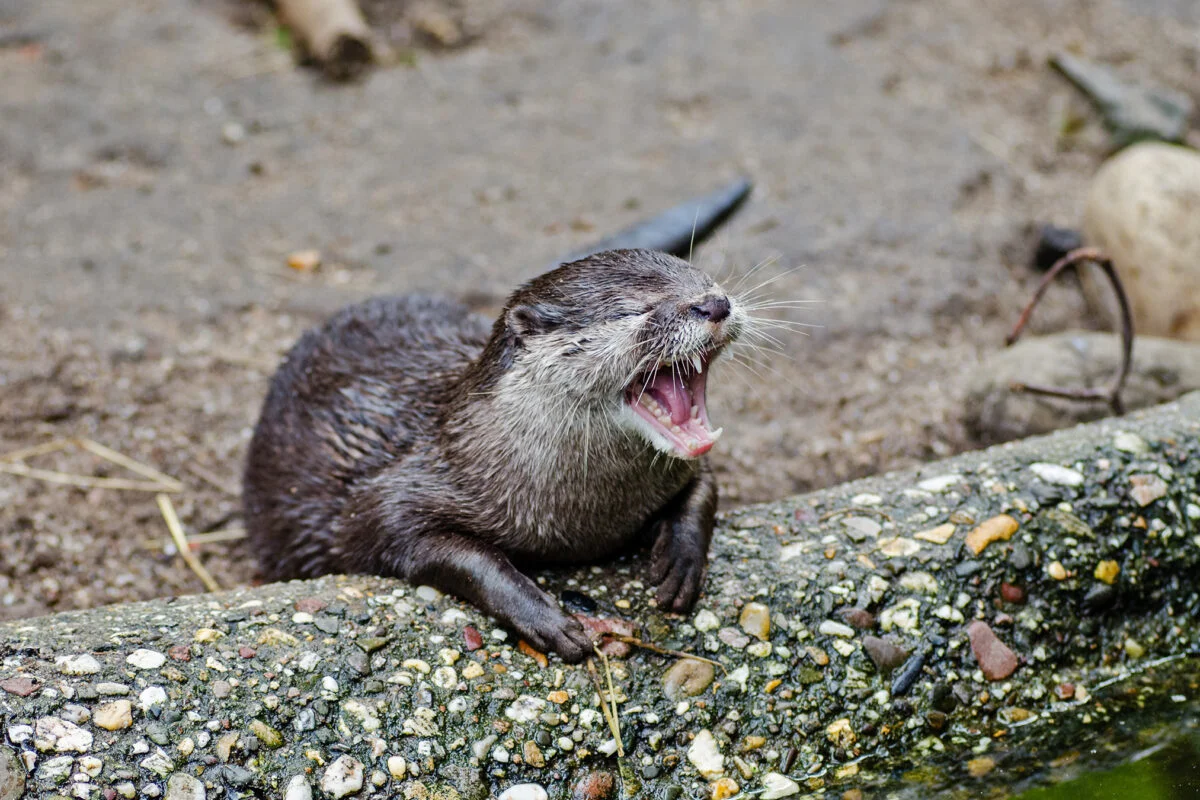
[408,437]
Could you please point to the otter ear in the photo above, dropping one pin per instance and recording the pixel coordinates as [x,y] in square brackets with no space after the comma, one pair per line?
[529,320]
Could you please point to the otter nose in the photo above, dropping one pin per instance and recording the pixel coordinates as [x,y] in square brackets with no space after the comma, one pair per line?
[714,308]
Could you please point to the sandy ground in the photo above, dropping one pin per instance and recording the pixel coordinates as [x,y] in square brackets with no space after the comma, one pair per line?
[159,160]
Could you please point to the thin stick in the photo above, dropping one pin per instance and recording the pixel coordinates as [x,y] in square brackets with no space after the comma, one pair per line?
[206,475]
[181,542]
[121,460]
[37,450]
[1113,393]
[653,648]
[84,481]
[610,714]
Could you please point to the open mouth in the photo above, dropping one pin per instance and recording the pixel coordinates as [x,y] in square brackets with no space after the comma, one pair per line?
[670,399]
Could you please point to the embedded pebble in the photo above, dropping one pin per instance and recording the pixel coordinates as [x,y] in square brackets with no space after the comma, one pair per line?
[996,660]
[776,786]
[112,689]
[266,734]
[146,659]
[184,787]
[472,671]
[858,618]
[343,777]
[885,655]
[899,547]
[533,755]
[152,696]
[998,528]
[1133,649]
[755,620]
[525,791]
[82,664]
[114,716]
[724,788]
[472,639]
[1130,443]
[922,582]
[940,484]
[596,785]
[397,767]
[298,789]
[1053,473]
[840,733]
[860,529]
[1147,489]
[1107,572]
[939,535]
[21,685]
[428,594]
[525,709]
[705,755]
[52,733]
[831,628]
[706,620]
[733,637]
[1057,571]
[978,767]
[687,677]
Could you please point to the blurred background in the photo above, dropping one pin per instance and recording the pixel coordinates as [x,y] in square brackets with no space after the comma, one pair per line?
[180,199]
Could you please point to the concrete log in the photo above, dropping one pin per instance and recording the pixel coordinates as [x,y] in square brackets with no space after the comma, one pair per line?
[996,619]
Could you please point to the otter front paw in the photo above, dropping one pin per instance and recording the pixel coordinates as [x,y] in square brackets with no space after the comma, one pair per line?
[677,566]
[551,630]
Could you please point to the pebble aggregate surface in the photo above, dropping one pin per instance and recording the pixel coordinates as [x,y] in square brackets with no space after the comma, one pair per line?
[838,667]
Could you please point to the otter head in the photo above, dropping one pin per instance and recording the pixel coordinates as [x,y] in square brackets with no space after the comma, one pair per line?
[627,333]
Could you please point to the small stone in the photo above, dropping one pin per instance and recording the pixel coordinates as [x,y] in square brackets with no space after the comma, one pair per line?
[533,755]
[705,755]
[858,618]
[114,716]
[1133,649]
[1064,691]
[558,697]
[207,635]
[472,639]
[995,659]
[82,664]
[840,733]
[939,535]
[1107,572]
[885,655]
[1053,473]
[472,671]
[298,789]
[304,260]
[343,777]
[146,659]
[1054,243]
[184,787]
[12,775]
[899,547]
[706,620]
[859,529]
[978,767]
[179,652]
[525,709]
[159,763]
[998,528]
[724,788]
[1130,443]
[397,767]
[21,686]
[225,745]
[755,620]
[776,786]
[940,484]
[525,791]
[687,677]
[150,697]
[428,594]
[221,689]
[52,733]
[598,785]
[266,734]
[818,656]
[233,133]
[831,628]
[1012,594]
[112,689]
[1147,488]
[733,637]
[186,747]
[1057,571]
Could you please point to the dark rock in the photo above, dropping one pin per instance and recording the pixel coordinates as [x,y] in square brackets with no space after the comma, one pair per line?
[1100,598]
[327,624]
[1020,557]
[909,674]
[857,618]
[1012,594]
[1054,243]
[360,662]
[995,659]
[935,719]
[965,569]
[885,654]
[577,602]
[942,698]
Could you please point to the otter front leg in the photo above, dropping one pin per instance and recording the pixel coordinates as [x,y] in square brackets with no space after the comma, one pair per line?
[681,551]
[483,575]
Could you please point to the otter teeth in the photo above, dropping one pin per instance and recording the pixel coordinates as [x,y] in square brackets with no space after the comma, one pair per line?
[695,412]
[697,364]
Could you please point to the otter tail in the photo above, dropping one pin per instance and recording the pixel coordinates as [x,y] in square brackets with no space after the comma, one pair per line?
[676,230]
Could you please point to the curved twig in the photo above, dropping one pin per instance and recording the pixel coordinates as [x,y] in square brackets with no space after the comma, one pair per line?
[1111,394]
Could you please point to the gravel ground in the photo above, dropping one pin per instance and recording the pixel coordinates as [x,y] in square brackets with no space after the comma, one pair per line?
[159,160]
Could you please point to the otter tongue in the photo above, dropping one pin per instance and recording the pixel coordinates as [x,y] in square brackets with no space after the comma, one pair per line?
[669,389]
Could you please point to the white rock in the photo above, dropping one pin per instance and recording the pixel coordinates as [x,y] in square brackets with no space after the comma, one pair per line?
[428,594]
[184,787]
[1142,210]
[940,483]
[1053,473]
[705,756]
[90,766]
[82,664]
[398,767]
[525,791]
[112,689]
[52,733]
[1130,443]
[152,696]
[525,708]
[19,734]
[706,620]
[831,628]
[298,789]
[861,527]
[146,659]
[776,785]
[343,777]
[158,762]
[55,769]
[866,499]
